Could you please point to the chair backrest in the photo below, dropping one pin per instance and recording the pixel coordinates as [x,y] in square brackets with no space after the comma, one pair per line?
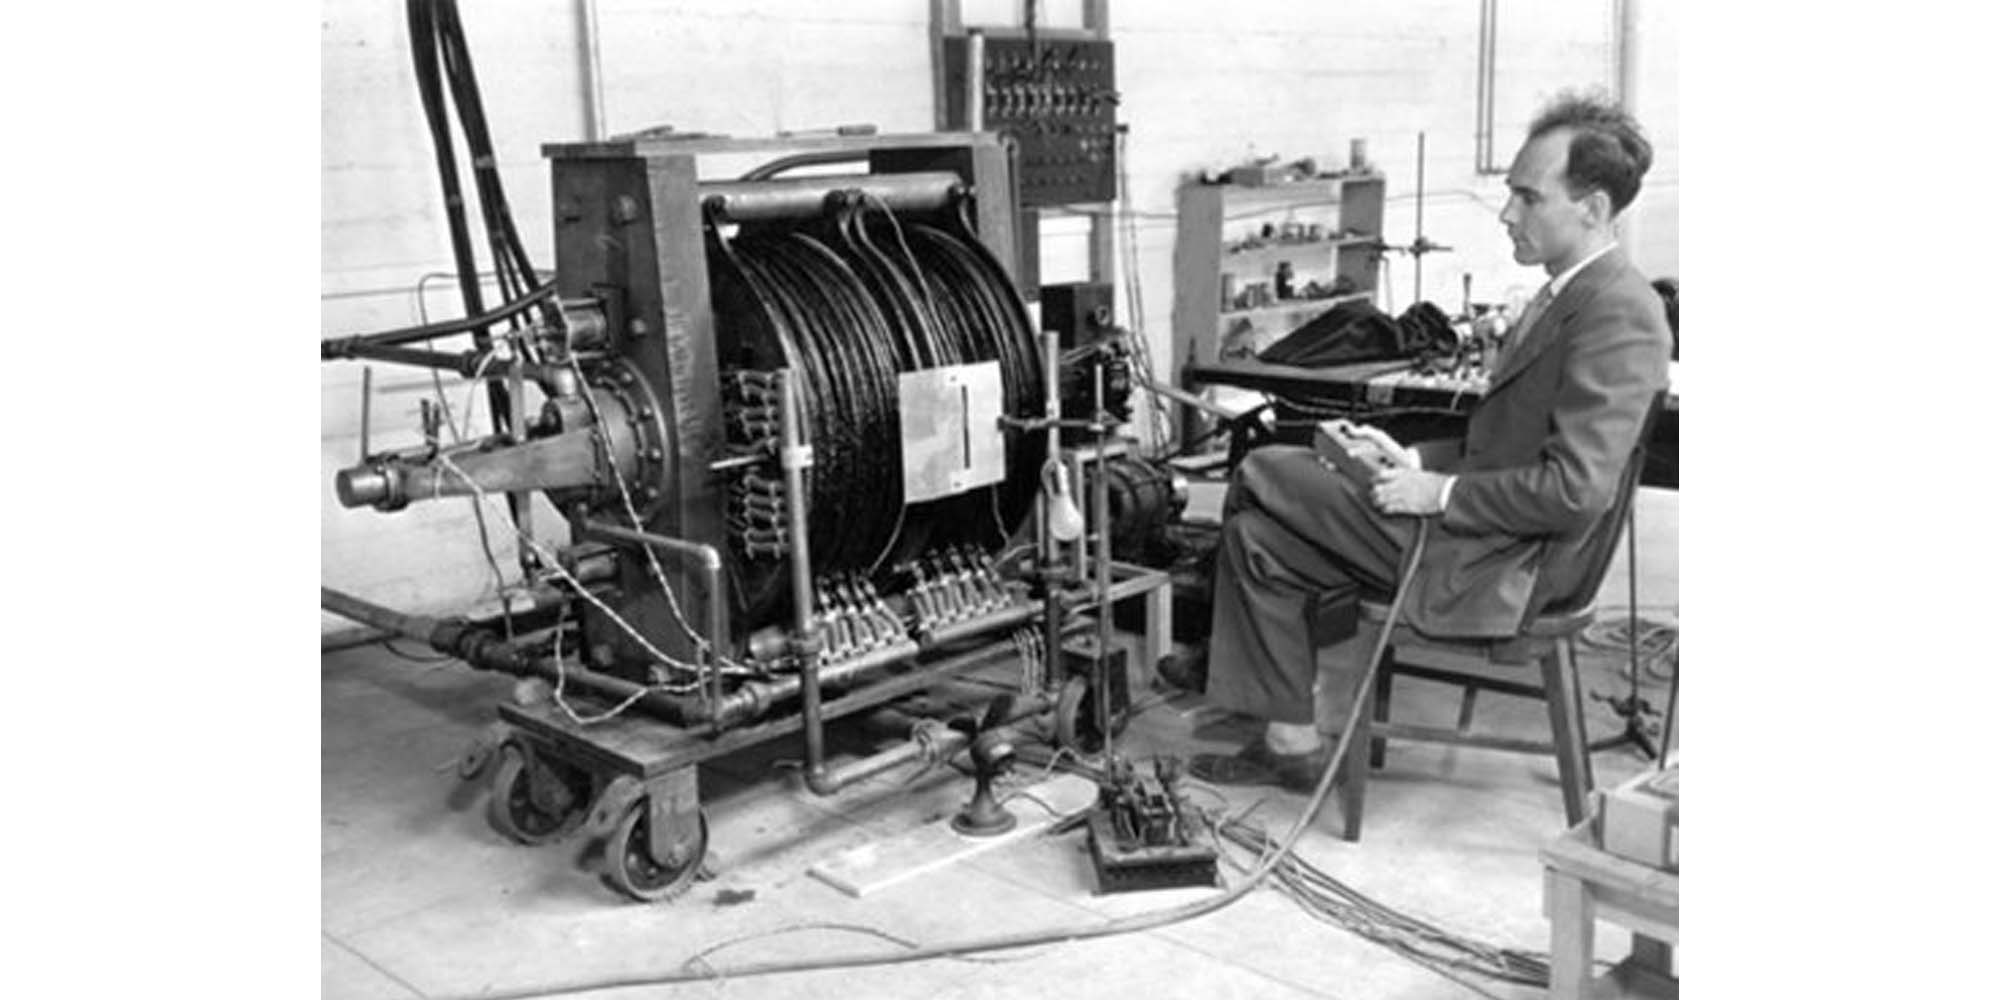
[1592,554]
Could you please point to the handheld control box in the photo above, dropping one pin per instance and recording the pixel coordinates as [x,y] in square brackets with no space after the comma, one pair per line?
[1358,458]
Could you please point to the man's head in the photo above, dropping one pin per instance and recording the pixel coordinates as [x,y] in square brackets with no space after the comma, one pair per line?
[1580,167]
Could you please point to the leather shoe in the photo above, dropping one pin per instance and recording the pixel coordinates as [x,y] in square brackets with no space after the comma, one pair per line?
[1187,671]
[1257,764]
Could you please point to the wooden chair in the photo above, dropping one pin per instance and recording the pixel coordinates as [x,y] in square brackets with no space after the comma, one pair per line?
[1547,640]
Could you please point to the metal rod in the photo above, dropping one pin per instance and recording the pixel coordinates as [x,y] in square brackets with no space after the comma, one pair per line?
[1489,30]
[805,197]
[483,649]
[367,386]
[1417,293]
[794,456]
[1051,602]
[1186,398]
[590,65]
[1100,497]
[943,745]
[418,627]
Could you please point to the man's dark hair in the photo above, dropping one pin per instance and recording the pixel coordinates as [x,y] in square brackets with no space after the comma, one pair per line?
[1607,151]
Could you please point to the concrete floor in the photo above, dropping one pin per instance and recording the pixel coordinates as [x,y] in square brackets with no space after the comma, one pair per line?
[421,898]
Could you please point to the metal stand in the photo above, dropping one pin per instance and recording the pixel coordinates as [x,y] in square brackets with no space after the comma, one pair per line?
[1632,708]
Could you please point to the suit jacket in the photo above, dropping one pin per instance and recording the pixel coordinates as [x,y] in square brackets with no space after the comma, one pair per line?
[1544,452]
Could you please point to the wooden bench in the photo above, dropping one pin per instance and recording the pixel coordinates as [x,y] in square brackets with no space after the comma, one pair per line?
[1581,884]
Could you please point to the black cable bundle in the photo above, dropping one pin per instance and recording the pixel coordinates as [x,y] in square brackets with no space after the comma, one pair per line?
[444,61]
[986,321]
[841,342]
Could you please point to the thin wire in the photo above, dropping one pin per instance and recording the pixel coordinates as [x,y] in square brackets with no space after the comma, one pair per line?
[1022,793]
[500,584]
[555,565]
[701,957]
[702,645]
[562,676]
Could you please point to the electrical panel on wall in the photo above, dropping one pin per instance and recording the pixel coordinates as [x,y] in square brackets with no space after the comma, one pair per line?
[1056,98]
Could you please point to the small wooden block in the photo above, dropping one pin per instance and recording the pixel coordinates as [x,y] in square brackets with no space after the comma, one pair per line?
[1642,819]
[869,867]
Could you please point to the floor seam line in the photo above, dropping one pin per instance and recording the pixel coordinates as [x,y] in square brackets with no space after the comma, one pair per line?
[378,967]
[1232,963]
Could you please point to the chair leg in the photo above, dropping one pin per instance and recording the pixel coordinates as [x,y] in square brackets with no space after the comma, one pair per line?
[1353,778]
[1468,698]
[1565,701]
[1378,748]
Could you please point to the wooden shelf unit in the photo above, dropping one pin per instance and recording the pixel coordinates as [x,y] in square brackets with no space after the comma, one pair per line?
[1213,223]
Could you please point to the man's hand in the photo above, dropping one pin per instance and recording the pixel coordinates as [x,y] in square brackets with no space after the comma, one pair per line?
[1408,491]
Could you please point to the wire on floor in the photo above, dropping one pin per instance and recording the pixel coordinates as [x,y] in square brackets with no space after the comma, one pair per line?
[1659,642]
[1332,901]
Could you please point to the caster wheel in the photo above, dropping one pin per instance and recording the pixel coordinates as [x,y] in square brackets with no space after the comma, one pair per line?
[630,865]
[516,811]
[1076,718]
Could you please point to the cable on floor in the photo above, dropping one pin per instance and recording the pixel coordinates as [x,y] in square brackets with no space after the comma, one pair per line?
[1659,642]
[1332,901]
[1268,864]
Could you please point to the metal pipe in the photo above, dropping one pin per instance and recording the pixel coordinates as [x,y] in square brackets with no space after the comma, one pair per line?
[1628,43]
[591,69]
[1627,224]
[942,745]
[1483,127]
[483,649]
[805,197]
[559,461]
[710,563]
[794,456]
[1417,245]
[418,627]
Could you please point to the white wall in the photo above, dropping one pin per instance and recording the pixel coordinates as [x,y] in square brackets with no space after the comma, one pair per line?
[1203,86]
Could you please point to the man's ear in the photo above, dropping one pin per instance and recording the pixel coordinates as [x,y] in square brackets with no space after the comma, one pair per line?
[1598,204]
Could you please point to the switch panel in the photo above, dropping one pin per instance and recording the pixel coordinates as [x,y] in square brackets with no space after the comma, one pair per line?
[1057,101]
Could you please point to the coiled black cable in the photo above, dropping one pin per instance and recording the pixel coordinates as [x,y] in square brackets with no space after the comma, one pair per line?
[851,301]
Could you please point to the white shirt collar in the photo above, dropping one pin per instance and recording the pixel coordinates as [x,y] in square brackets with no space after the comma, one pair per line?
[1557,284]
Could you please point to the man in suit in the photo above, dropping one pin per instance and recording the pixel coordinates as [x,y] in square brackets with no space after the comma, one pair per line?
[1543,455]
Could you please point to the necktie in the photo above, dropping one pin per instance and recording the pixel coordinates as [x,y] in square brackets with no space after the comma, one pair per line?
[1519,331]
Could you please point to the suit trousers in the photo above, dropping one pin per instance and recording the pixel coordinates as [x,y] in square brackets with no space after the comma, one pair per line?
[1292,527]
